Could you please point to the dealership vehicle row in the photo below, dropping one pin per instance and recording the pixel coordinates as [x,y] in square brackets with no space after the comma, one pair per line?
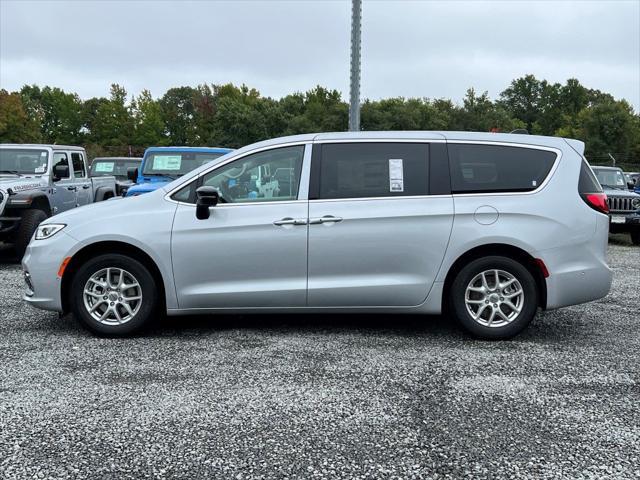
[38,181]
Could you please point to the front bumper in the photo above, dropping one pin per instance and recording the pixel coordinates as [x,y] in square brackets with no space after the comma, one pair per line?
[41,262]
[631,222]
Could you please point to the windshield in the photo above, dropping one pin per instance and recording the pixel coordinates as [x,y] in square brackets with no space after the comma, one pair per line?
[174,164]
[118,168]
[23,161]
[610,178]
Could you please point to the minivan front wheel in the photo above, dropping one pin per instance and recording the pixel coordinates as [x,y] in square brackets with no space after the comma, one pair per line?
[113,295]
[494,297]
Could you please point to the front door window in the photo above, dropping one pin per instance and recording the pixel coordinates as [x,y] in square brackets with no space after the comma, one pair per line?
[269,176]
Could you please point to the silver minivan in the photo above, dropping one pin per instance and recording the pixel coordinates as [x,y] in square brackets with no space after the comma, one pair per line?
[484,227]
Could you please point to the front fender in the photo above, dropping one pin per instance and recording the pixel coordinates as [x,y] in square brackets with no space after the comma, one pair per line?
[27,199]
[146,227]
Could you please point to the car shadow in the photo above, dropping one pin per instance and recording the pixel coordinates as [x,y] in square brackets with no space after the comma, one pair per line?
[399,325]
[545,329]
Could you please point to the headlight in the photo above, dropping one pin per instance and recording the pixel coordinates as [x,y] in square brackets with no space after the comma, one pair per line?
[48,230]
[635,203]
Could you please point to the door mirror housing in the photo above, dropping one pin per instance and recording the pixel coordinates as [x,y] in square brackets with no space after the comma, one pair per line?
[631,184]
[207,197]
[60,171]
[132,174]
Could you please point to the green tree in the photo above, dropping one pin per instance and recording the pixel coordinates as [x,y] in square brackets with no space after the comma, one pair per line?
[239,116]
[147,120]
[59,113]
[178,112]
[522,99]
[479,113]
[607,127]
[15,125]
[113,123]
[90,117]
[318,110]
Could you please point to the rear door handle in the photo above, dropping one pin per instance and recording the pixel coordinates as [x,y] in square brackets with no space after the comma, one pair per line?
[325,219]
[290,221]
[85,186]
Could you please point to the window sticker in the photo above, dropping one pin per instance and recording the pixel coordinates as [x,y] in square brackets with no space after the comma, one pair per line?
[167,162]
[396,175]
[105,167]
[41,169]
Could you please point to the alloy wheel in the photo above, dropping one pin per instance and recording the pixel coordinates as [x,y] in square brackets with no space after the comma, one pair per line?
[112,296]
[494,298]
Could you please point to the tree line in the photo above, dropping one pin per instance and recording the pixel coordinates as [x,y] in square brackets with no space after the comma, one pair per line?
[232,116]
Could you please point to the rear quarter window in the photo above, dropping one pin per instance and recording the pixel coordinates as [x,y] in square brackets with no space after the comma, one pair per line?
[588,182]
[495,168]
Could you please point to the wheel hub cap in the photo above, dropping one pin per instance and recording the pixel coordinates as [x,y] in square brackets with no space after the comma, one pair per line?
[494,298]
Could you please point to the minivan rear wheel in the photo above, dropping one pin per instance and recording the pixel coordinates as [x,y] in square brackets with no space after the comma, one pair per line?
[113,295]
[494,297]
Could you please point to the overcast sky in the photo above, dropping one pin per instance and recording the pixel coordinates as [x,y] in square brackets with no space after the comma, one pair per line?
[410,48]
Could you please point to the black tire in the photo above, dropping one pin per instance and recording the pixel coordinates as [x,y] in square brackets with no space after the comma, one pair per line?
[635,238]
[148,305]
[529,303]
[28,224]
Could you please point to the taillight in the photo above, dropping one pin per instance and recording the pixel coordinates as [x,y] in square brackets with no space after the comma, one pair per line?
[597,201]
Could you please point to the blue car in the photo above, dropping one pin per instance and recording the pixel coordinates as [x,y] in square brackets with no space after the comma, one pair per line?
[161,165]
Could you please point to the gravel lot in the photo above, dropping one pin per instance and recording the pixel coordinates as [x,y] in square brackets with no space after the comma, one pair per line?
[323,397]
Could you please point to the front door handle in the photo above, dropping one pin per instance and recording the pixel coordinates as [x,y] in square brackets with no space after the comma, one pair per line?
[290,221]
[72,189]
[325,219]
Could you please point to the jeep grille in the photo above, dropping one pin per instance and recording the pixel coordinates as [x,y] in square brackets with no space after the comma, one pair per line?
[620,204]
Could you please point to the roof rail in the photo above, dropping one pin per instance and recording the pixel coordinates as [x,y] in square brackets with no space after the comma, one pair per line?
[520,131]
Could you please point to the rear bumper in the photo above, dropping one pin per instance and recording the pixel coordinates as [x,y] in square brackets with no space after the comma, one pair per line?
[578,285]
[579,272]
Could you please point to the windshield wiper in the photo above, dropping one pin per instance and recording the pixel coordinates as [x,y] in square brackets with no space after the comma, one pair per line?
[13,172]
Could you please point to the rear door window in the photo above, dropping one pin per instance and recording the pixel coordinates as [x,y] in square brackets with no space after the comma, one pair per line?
[362,170]
[78,165]
[477,168]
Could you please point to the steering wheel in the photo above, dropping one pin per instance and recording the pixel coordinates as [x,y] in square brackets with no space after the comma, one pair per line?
[229,175]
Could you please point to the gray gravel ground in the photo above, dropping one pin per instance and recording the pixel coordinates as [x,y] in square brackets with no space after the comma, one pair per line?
[323,397]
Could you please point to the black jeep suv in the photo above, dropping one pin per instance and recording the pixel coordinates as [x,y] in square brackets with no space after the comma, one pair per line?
[624,205]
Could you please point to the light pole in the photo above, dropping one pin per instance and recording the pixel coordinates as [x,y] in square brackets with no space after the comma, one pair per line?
[354,95]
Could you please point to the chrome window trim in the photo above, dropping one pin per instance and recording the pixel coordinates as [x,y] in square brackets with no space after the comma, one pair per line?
[307,165]
[244,204]
[238,157]
[399,197]
[552,171]
[381,140]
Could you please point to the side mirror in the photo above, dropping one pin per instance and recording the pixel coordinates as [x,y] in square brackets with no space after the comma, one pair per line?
[631,185]
[207,197]
[60,171]
[132,174]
